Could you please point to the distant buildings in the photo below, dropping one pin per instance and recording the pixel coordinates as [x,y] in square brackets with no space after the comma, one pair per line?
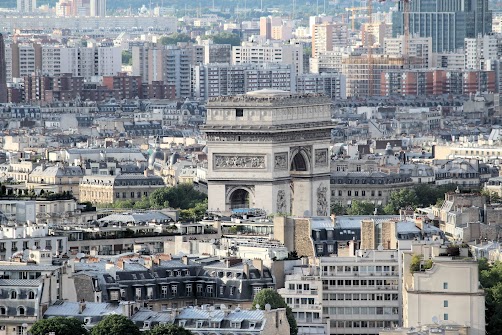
[26,6]
[447,22]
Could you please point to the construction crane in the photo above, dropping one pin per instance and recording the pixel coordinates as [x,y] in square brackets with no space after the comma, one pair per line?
[406,39]
[353,11]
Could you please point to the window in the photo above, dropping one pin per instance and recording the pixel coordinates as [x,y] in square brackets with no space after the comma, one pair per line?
[3,310]
[174,290]
[339,193]
[199,288]
[239,112]
[349,193]
[188,289]
[31,295]
[445,317]
[445,303]
[232,290]
[445,286]
[13,294]
[138,293]
[222,290]
[21,311]
[363,193]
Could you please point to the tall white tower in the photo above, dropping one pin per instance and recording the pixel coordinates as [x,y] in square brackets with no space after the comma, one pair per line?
[26,6]
[269,149]
[98,8]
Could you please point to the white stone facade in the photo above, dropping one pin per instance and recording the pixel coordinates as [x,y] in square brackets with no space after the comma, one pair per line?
[269,150]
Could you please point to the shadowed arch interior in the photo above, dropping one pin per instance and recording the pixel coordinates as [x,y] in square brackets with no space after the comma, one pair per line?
[298,163]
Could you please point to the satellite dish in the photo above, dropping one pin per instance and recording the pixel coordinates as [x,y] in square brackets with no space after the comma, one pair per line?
[435,320]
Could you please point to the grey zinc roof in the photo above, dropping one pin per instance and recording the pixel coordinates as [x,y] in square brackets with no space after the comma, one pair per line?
[67,308]
[218,315]
[147,315]
[321,222]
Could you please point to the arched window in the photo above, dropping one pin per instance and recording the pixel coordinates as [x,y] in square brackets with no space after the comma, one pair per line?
[3,310]
[21,310]
[13,294]
[31,295]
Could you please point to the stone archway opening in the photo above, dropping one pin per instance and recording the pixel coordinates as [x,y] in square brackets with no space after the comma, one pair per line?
[239,199]
[299,163]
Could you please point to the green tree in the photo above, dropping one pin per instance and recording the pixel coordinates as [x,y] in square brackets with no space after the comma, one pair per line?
[175,39]
[59,326]
[401,199]
[225,38]
[337,209]
[126,57]
[361,208]
[275,300]
[115,325]
[169,329]
[490,278]
[183,196]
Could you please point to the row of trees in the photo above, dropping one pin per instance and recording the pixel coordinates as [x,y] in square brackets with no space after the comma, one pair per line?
[110,325]
[193,204]
[421,195]
[220,38]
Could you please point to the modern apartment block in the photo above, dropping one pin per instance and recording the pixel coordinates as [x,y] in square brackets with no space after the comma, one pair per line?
[479,51]
[330,84]
[448,22]
[418,47]
[303,293]
[361,81]
[326,36]
[214,80]
[25,59]
[360,293]
[436,82]
[274,53]
[26,6]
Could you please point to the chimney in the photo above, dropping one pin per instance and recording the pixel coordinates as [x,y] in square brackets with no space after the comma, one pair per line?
[120,264]
[246,269]
[81,306]
[184,260]
[258,264]
[352,249]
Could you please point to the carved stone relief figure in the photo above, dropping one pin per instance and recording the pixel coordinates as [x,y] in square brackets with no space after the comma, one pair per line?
[322,201]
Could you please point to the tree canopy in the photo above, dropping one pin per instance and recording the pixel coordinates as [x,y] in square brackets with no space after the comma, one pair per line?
[421,195]
[59,326]
[225,38]
[175,39]
[115,325]
[361,208]
[193,204]
[275,300]
[169,329]
[126,57]
[490,278]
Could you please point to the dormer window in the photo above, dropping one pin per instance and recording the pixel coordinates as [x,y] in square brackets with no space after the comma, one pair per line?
[235,325]
[13,294]
[252,325]
[200,323]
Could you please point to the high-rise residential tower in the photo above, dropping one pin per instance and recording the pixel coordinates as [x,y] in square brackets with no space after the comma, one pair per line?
[448,22]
